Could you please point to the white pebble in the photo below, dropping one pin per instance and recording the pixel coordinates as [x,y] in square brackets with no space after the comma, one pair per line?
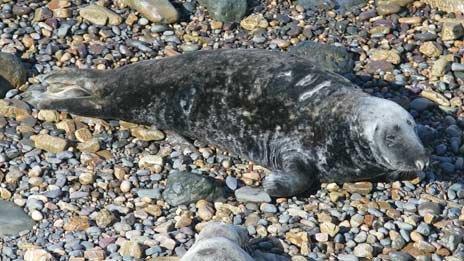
[36,215]
[125,186]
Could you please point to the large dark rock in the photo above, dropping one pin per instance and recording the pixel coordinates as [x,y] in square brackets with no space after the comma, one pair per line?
[333,58]
[225,10]
[183,188]
[12,73]
[13,219]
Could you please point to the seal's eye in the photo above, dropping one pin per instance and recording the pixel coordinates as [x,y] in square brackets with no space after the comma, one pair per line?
[390,140]
[409,122]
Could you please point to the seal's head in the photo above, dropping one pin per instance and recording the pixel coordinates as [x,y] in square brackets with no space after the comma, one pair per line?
[391,134]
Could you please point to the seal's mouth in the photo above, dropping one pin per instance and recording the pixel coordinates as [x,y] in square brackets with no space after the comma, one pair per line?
[418,166]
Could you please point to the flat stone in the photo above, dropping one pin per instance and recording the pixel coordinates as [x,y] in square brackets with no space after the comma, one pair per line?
[100,15]
[374,67]
[362,188]
[76,223]
[147,134]
[49,143]
[90,146]
[249,194]
[435,97]
[430,49]
[13,219]
[157,11]
[95,254]
[410,20]
[391,56]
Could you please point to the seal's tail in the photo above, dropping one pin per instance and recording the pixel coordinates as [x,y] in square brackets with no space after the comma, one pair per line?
[73,91]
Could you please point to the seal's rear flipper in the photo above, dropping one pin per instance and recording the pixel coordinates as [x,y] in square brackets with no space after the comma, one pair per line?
[74,91]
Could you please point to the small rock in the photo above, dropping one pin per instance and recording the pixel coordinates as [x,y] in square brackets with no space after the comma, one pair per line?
[299,239]
[48,115]
[391,56]
[49,143]
[249,194]
[362,188]
[440,66]
[430,49]
[94,254]
[90,146]
[268,208]
[100,15]
[329,228]
[157,11]
[388,8]
[363,250]
[253,22]
[76,223]
[147,134]
[452,31]
[435,97]
[104,218]
[36,215]
[83,135]
[205,210]
[131,249]
[37,255]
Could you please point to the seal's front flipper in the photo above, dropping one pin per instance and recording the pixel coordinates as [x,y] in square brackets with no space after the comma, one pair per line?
[292,181]
[75,91]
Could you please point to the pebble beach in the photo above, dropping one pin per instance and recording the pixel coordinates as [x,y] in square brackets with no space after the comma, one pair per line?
[78,188]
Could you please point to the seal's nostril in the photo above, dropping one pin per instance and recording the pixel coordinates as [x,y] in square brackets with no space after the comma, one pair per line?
[420,164]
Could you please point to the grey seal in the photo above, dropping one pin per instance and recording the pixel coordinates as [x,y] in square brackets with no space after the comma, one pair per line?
[303,123]
[219,241]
